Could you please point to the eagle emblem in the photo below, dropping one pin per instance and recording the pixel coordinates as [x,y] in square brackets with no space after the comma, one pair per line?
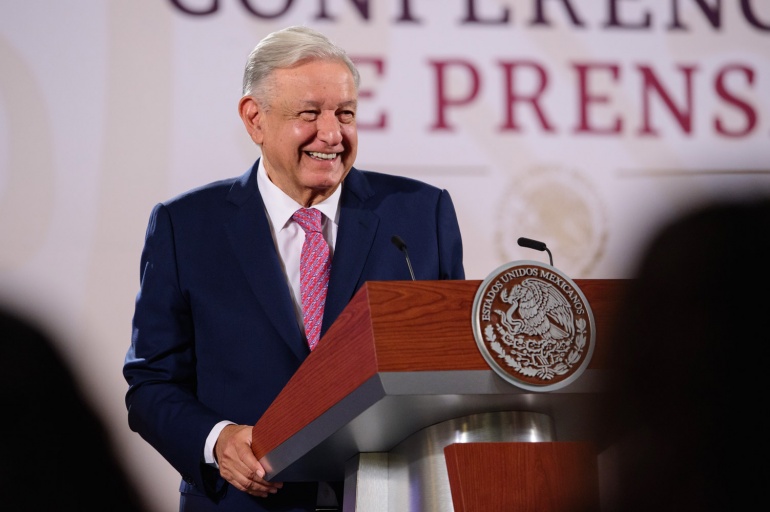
[533,325]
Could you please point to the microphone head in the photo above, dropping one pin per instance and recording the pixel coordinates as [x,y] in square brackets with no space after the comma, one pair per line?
[531,244]
[398,242]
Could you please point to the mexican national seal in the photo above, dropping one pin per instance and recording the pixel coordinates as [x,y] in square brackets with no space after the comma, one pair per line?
[533,325]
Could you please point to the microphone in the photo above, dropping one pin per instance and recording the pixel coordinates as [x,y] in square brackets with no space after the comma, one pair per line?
[534,244]
[401,245]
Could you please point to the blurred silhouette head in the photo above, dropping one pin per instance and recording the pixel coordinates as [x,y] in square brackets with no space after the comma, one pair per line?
[690,355]
[57,454]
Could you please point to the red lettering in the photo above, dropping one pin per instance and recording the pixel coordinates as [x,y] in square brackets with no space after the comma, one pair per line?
[443,101]
[512,96]
[750,114]
[378,65]
[593,97]
[585,98]
[650,82]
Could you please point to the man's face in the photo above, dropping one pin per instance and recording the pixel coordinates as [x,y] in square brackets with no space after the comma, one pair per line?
[308,135]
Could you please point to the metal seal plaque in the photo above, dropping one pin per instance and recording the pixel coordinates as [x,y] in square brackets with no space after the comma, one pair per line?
[533,325]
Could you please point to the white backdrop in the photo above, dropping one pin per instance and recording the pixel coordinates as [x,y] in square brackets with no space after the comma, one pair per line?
[580,123]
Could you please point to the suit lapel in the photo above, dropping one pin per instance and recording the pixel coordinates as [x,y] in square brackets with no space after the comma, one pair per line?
[355,236]
[249,234]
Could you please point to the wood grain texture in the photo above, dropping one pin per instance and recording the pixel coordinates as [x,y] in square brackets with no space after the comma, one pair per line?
[399,326]
[343,360]
[523,477]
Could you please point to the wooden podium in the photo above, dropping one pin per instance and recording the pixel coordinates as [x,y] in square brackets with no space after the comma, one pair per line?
[401,359]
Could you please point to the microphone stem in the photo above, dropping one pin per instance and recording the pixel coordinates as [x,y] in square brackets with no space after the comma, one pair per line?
[396,240]
[409,263]
[550,257]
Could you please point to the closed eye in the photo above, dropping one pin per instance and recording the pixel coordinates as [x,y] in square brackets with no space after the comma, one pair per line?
[308,115]
[346,116]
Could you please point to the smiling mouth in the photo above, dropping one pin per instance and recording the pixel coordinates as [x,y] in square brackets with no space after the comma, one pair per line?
[322,156]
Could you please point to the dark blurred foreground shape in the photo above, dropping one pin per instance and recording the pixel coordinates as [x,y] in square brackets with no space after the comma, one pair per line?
[690,392]
[56,451]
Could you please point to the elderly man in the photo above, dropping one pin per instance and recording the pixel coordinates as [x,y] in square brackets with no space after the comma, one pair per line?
[240,278]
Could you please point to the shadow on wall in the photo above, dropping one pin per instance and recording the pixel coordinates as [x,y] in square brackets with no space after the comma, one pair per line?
[57,454]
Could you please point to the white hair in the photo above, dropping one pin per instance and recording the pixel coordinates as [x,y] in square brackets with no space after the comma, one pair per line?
[284,49]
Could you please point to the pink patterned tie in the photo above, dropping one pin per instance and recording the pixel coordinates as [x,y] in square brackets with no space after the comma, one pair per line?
[314,269]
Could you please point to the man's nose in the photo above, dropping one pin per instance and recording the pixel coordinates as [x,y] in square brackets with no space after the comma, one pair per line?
[329,129]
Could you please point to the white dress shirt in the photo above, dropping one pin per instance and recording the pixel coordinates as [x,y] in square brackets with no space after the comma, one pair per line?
[289,236]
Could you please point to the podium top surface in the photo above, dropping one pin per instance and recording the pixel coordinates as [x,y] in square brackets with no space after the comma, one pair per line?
[402,356]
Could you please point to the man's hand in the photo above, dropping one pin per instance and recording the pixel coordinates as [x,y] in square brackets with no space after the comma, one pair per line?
[237,463]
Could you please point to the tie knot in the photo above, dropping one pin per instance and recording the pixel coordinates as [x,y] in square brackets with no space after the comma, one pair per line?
[309,219]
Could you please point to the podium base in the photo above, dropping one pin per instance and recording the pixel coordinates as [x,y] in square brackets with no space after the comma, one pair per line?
[412,477]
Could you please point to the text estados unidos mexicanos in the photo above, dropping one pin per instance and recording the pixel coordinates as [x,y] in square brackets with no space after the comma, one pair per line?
[567,289]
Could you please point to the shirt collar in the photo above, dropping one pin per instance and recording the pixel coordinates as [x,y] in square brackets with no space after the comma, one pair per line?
[280,207]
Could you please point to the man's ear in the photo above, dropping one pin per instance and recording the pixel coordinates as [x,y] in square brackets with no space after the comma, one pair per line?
[252,116]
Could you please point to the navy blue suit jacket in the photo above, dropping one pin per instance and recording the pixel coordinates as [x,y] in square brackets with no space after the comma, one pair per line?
[215,336]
